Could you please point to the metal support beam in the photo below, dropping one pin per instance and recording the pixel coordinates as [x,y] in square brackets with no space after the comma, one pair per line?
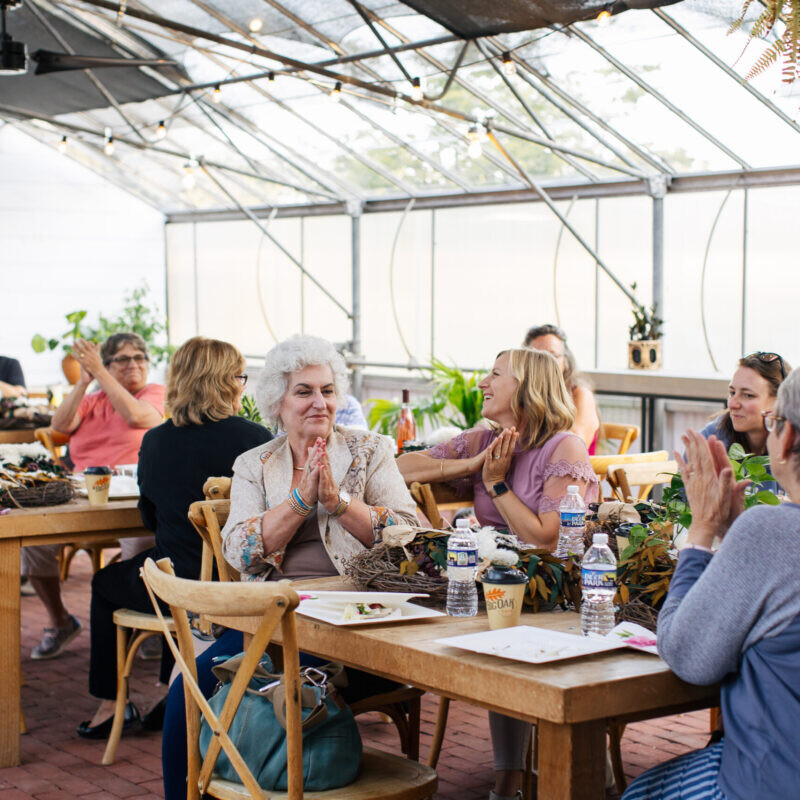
[354,210]
[653,92]
[263,228]
[552,206]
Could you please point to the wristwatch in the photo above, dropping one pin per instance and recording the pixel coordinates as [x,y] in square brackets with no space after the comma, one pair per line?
[344,503]
[499,488]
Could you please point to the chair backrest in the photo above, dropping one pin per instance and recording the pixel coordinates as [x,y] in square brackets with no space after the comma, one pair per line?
[627,434]
[208,518]
[54,441]
[217,489]
[600,464]
[274,604]
[432,498]
[644,475]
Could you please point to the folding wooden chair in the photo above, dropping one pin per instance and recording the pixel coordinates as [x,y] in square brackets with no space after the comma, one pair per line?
[627,434]
[644,476]
[433,498]
[382,777]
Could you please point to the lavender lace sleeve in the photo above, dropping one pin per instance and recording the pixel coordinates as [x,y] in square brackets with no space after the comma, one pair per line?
[569,465]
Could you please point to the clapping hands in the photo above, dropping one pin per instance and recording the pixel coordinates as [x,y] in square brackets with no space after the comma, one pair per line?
[497,457]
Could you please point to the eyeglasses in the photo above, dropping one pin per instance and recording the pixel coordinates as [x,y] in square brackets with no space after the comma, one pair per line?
[768,358]
[771,420]
[123,361]
[242,379]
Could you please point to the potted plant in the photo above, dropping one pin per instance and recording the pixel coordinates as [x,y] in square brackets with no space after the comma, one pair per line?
[136,316]
[69,364]
[455,400]
[644,347]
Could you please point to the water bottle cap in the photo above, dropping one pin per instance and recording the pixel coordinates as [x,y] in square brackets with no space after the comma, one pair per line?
[600,538]
[572,489]
[462,523]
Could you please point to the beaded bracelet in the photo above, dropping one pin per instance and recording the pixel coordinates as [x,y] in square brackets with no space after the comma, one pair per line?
[297,504]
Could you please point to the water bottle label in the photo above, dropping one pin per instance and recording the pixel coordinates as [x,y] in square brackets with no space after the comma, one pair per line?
[600,576]
[573,519]
[462,557]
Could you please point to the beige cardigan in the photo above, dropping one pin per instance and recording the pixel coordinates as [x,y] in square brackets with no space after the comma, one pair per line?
[362,463]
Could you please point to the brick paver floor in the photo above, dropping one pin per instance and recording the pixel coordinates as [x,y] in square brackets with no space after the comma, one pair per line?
[57,765]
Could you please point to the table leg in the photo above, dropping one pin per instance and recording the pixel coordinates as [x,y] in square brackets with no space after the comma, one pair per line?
[10,673]
[572,761]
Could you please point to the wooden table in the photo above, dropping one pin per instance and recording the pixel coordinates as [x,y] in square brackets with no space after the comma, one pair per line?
[17,435]
[47,525]
[570,701]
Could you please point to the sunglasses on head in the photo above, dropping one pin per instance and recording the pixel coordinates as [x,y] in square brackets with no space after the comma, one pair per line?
[768,358]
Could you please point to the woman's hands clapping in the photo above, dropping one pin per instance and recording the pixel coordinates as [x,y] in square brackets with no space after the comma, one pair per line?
[317,484]
[88,355]
[497,457]
[713,494]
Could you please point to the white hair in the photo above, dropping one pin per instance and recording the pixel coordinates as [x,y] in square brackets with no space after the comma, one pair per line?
[788,403]
[292,355]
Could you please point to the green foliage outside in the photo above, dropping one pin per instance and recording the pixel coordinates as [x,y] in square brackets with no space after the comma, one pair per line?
[139,314]
[455,400]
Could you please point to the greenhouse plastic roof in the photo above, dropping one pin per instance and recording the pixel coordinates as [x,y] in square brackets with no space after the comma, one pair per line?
[655,91]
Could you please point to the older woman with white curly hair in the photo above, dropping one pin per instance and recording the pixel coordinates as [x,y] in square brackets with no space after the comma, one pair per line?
[305,503]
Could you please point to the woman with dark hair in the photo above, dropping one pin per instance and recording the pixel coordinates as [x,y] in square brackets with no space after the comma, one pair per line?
[553,340]
[202,439]
[753,389]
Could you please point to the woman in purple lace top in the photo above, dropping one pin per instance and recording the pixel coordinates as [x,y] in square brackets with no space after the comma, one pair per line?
[519,471]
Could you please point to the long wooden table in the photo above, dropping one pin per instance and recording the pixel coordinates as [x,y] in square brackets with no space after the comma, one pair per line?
[570,701]
[47,525]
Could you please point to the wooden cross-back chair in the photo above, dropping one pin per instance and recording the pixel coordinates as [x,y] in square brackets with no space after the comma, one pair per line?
[433,498]
[626,434]
[403,706]
[621,477]
[382,776]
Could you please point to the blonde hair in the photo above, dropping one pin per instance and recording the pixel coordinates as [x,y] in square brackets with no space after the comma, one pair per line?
[201,381]
[542,405]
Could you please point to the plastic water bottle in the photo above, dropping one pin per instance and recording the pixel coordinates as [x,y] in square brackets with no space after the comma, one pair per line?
[599,585]
[462,563]
[573,524]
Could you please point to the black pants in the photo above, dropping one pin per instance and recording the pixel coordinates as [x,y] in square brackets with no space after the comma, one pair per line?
[117,586]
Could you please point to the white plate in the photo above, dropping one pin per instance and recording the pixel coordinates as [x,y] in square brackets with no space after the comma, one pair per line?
[533,645]
[329,607]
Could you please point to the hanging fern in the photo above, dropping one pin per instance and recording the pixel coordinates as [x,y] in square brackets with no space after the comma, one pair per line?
[786,47]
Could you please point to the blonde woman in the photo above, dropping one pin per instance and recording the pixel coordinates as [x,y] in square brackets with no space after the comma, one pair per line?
[519,471]
[203,438]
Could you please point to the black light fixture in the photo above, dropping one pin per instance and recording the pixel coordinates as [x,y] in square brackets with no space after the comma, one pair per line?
[13,55]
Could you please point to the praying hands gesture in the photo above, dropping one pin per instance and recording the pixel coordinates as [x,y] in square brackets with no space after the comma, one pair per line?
[713,494]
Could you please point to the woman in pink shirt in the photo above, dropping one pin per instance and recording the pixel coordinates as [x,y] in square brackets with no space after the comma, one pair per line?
[106,429]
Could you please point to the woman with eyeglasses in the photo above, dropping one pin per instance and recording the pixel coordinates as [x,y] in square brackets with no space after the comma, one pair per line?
[553,340]
[752,391]
[734,617]
[106,429]
[202,438]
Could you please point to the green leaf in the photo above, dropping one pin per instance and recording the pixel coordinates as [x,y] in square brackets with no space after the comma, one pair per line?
[38,343]
[767,498]
[75,317]
[736,452]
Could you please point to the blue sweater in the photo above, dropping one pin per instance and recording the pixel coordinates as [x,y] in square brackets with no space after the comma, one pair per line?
[735,617]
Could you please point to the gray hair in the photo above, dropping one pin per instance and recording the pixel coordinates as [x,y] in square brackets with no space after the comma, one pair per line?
[788,403]
[117,341]
[292,355]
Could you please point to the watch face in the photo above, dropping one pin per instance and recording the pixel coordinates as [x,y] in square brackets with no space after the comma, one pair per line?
[499,488]
[344,496]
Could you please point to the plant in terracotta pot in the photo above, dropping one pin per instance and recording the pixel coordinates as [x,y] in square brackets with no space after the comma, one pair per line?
[644,347]
[69,364]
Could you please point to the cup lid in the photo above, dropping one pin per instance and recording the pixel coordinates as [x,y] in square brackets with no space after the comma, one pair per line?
[498,574]
[97,471]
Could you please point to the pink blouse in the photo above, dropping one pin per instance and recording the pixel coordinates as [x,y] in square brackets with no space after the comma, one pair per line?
[539,477]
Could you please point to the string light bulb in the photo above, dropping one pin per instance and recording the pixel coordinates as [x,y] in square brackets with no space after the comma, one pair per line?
[603,18]
[256,24]
[62,145]
[189,181]
[509,67]
[475,137]
[161,130]
[336,92]
[416,89]
[108,147]
[217,96]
